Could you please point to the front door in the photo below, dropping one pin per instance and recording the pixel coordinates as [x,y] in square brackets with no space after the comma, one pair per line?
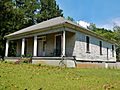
[58,45]
[41,48]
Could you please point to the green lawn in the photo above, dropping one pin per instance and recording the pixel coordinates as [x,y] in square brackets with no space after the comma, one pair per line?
[36,77]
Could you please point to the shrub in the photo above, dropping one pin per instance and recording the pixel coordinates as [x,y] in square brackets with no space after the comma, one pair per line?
[24,60]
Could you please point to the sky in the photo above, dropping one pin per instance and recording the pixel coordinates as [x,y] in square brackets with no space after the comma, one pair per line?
[103,13]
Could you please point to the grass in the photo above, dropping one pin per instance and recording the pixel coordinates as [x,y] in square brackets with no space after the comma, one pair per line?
[41,77]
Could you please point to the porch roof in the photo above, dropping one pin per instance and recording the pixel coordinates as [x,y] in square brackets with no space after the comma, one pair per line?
[56,22]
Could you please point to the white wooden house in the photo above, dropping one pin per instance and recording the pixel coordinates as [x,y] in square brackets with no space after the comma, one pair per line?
[48,41]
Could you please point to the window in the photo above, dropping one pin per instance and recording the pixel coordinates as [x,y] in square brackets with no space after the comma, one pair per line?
[87,44]
[100,47]
[107,53]
[113,50]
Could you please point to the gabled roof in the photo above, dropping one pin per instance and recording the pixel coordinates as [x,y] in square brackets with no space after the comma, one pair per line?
[54,22]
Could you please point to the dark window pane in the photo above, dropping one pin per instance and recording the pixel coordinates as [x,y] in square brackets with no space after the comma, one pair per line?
[100,47]
[113,50]
[87,43]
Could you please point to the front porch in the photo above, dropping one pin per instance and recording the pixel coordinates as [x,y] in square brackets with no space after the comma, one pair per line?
[54,44]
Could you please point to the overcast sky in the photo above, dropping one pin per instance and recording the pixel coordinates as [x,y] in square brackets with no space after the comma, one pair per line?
[104,13]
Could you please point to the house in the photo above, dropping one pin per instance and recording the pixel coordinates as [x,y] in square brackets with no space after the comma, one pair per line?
[48,41]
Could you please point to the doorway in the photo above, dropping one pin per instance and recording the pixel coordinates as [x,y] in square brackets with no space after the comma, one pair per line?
[58,45]
[41,46]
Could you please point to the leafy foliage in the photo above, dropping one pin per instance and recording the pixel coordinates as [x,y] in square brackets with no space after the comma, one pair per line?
[102,31]
[11,20]
[117,38]
[48,10]
[70,18]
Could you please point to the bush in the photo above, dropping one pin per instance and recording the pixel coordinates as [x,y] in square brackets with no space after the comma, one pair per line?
[24,60]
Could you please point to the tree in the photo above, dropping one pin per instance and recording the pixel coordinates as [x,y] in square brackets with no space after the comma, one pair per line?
[117,38]
[108,34]
[92,26]
[29,10]
[49,9]
[70,18]
[36,11]
[10,20]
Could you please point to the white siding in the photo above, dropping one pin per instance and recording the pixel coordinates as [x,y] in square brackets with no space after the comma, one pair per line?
[94,55]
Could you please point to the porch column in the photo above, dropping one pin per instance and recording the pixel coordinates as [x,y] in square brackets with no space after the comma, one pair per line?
[7,46]
[23,47]
[63,50]
[35,46]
